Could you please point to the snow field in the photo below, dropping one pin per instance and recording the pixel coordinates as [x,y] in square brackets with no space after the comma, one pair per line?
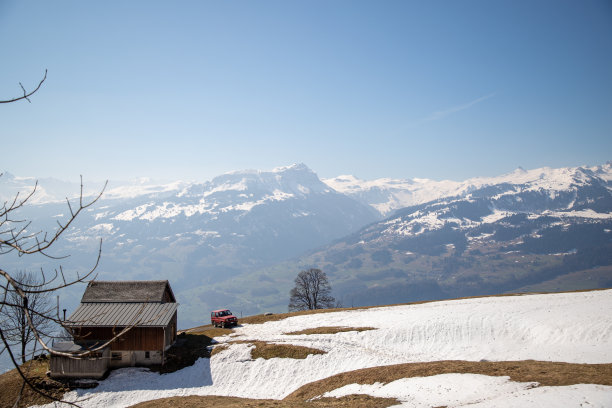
[480,391]
[568,327]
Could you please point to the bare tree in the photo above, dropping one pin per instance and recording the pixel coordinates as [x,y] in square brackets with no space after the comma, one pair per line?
[16,238]
[312,291]
[15,292]
[13,321]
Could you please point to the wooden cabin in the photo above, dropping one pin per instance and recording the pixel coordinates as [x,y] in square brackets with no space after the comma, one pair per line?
[148,307]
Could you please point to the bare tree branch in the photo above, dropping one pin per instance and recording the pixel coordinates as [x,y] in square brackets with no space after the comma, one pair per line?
[16,237]
[26,95]
[20,293]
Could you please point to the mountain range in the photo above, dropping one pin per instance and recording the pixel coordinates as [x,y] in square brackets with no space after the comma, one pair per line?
[239,239]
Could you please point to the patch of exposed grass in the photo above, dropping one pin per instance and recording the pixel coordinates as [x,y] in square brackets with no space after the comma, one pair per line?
[267,351]
[331,330]
[209,330]
[351,401]
[35,370]
[544,372]
[218,348]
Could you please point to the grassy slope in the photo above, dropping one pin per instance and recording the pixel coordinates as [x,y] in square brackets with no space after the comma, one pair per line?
[11,383]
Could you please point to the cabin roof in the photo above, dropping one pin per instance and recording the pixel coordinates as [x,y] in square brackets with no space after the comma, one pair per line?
[128,291]
[105,314]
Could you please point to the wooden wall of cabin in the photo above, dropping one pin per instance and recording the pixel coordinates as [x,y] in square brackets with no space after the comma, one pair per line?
[138,338]
[93,366]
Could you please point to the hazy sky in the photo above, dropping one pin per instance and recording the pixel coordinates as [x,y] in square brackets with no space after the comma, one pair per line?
[189,90]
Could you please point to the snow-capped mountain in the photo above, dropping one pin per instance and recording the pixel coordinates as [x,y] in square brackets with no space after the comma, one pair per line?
[544,229]
[387,195]
[235,193]
[198,233]
[220,241]
[560,194]
[51,190]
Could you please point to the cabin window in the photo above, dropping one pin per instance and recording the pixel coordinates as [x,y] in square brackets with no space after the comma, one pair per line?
[116,356]
[147,354]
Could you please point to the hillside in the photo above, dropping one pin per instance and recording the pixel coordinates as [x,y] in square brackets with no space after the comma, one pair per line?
[239,239]
[492,351]
[195,234]
[536,230]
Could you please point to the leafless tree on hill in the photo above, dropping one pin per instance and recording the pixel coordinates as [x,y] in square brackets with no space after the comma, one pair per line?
[312,291]
[17,292]
[13,321]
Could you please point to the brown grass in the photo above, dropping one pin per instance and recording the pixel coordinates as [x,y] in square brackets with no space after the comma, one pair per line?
[218,348]
[351,401]
[331,330]
[209,330]
[544,372]
[267,351]
[11,382]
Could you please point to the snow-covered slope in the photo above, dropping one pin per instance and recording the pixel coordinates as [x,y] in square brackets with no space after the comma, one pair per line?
[387,195]
[528,202]
[524,207]
[567,327]
[237,192]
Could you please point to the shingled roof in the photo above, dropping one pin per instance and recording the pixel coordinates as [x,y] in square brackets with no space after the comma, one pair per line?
[128,292]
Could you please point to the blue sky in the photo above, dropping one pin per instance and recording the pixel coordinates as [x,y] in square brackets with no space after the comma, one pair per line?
[189,90]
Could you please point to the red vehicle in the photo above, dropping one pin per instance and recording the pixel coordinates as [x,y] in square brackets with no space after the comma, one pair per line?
[223,318]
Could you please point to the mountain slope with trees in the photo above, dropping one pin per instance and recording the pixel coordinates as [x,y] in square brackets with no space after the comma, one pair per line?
[239,240]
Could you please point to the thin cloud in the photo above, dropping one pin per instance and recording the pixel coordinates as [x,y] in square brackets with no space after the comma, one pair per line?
[441,114]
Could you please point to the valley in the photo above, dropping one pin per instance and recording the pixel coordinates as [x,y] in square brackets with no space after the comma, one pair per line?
[239,240]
